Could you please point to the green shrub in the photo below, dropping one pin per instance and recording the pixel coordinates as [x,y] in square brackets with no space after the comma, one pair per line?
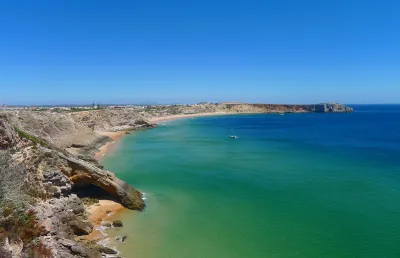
[29,137]
[16,219]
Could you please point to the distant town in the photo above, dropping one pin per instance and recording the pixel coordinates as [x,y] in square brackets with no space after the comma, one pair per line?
[78,108]
[70,108]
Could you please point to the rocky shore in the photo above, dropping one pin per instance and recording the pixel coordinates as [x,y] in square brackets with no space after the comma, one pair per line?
[43,186]
[48,171]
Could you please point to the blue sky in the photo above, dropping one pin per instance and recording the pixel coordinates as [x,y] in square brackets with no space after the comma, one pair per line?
[280,51]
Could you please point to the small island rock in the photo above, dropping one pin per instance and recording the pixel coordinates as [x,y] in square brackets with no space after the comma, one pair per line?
[117,223]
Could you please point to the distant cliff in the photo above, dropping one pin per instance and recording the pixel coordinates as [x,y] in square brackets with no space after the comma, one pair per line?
[276,108]
[328,107]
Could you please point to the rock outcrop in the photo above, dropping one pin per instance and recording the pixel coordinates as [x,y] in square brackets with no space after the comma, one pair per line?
[82,173]
[8,136]
[10,248]
[50,175]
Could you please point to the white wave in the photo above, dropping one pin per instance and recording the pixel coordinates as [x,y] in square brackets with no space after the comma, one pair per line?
[107,243]
[144,198]
[102,230]
[104,242]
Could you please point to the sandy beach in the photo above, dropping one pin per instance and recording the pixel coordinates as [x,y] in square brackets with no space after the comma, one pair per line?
[101,212]
[104,210]
[158,120]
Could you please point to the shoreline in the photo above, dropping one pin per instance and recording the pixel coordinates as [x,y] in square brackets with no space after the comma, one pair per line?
[158,120]
[107,210]
[117,135]
[108,147]
[98,212]
[101,213]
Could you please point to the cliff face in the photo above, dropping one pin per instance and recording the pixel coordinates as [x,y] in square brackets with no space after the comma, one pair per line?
[8,137]
[58,130]
[328,108]
[274,108]
[76,132]
[111,120]
[40,211]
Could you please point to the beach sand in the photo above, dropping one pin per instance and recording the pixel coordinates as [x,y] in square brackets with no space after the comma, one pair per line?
[104,211]
[158,120]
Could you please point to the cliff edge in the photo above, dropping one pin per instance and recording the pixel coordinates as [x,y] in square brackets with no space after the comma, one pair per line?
[41,211]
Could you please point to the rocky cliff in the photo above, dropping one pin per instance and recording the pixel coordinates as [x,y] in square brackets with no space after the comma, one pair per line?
[275,108]
[40,210]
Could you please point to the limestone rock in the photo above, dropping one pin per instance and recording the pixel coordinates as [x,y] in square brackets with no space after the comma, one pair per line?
[80,227]
[8,136]
[62,247]
[79,250]
[121,239]
[84,173]
[59,182]
[107,250]
[10,248]
[62,217]
[107,224]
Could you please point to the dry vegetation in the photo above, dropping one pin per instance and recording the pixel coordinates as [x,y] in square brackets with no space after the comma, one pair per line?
[17,219]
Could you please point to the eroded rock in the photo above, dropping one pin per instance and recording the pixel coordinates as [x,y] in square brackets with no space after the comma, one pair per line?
[107,250]
[8,136]
[10,248]
[81,227]
[117,223]
[121,239]
[107,224]
[84,173]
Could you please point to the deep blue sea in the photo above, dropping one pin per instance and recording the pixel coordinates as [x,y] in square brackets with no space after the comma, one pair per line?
[297,185]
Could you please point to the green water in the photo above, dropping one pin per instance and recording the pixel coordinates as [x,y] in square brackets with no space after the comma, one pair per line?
[286,188]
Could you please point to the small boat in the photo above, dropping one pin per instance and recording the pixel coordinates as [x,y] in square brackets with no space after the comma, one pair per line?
[281,114]
[233,136]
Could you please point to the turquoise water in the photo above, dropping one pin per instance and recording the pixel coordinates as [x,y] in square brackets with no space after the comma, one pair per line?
[299,185]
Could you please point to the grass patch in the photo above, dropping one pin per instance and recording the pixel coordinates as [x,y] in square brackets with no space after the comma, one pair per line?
[32,138]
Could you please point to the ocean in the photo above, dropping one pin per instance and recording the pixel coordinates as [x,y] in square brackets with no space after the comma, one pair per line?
[294,185]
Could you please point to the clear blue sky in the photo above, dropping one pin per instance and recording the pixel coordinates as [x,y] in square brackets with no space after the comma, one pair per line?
[280,51]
